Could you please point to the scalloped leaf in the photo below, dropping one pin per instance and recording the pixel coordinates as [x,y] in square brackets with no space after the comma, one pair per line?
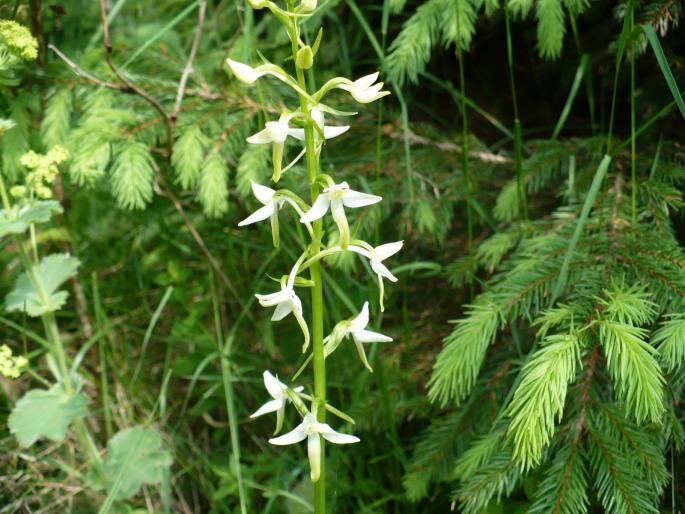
[45,413]
[53,271]
[38,212]
[135,456]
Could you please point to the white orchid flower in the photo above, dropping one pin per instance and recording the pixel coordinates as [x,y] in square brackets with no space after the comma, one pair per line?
[356,327]
[329,132]
[376,257]
[286,301]
[272,204]
[279,392]
[336,198]
[312,430]
[274,133]
[249,75]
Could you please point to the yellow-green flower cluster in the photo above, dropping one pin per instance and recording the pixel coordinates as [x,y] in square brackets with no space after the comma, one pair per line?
[43,172]
[18,40]
[11,366]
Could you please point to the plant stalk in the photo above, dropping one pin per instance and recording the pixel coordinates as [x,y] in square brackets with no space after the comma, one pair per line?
[319,364]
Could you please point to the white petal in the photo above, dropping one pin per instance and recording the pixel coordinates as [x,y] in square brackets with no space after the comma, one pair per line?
[354,199]
[282,310]
[259,215]
[382,271]
[366,80]
[386,250]
[314,453]
[298,389]
[260,138]
[362,319]
[331,132]
[294,436]
[271,299]
[277,130]
[361,251]
[336,437]
[262,193]
[297,133]
[367,336]
[273,385]
[318,210]
[270,406]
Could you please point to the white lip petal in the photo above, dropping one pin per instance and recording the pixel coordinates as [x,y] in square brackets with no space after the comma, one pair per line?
[259,215]
[331,132]
[336,437]
[260,138]
[273,385]
[281,311]
[355,199]
[387,250]
[294,436]
[314,454]
[367,336]
[318,210]
[268,407]
[262,193]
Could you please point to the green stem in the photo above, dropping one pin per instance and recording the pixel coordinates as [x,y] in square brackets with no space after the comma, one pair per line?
[465,151]
[518,138]
[319,401]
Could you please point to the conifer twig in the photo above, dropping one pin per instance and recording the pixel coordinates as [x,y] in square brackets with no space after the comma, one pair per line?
[191,58]
[128,85]
[83,73]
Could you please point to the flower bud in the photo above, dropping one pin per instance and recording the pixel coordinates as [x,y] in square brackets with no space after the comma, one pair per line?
[305,58]
[257,4]
[307,6]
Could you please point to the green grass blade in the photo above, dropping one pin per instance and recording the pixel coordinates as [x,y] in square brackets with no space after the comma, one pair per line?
[665,68]
[584,213]
[580,73]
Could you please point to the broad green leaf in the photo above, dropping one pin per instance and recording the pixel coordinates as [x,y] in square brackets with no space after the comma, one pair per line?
[38,212]
[45,413]
[135,456]
[52,272]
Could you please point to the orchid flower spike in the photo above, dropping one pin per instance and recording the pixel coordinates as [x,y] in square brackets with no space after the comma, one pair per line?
[312,430]
[329,132]
[356,327]
[337,197]
[364,90]
[248,75]
[376,257]
[275,132]
[279,392]
[286,301]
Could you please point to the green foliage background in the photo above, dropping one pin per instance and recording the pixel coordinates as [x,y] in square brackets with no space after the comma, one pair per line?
[559,389]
